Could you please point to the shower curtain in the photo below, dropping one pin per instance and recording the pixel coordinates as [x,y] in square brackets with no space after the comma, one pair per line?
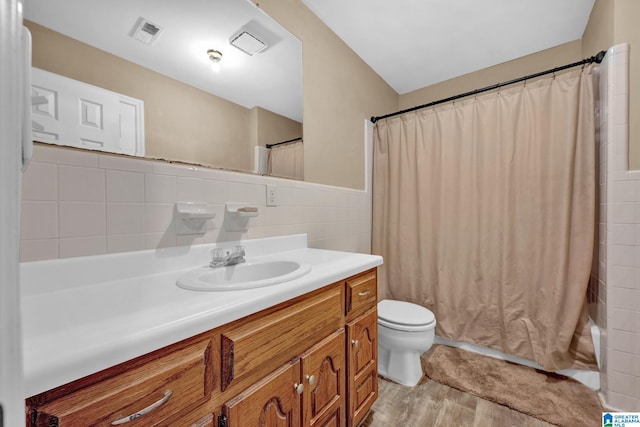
[484,213]
[286,161]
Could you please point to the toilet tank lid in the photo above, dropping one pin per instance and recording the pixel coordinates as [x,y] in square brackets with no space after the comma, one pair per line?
[404,313]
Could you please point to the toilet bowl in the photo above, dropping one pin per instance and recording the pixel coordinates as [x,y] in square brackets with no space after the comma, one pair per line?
[405,331]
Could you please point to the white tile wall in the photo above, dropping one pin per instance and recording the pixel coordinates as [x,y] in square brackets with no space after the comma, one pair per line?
[78,203]
[81,184]
[619,272]
[125,186]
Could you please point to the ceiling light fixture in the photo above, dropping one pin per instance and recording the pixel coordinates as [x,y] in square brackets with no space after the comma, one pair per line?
[215,56]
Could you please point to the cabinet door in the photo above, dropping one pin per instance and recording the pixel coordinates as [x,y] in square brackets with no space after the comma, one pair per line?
[362,355]
[323,373]
[272,402]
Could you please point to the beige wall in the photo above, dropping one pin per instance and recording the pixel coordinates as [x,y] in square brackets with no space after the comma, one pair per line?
[598,35]
[181,123]
[340,92]
[611,22]
[271,128]
[540,61]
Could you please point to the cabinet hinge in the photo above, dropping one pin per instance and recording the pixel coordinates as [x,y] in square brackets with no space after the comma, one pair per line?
[222,421]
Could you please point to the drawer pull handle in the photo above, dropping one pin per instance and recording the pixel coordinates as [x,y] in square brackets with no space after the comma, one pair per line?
[311,379]
[299,388]
[167,395]
[365,293]
[356,344]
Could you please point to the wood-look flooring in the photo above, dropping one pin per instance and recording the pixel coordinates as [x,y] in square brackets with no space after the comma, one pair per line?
[433,404]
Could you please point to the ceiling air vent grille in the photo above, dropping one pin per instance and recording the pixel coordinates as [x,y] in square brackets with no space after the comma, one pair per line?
[248,43]
[145,31]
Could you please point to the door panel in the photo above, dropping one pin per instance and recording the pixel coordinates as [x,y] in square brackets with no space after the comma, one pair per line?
[324,374]
[272,402]
[69,112]
[362,355]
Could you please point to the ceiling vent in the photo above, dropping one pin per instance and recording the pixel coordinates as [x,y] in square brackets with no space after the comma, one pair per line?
[247,42]
[145,31]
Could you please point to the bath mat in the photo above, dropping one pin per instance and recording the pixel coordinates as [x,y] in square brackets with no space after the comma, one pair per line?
[553,398]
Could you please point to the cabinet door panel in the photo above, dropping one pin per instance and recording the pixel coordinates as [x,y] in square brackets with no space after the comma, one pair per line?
[272,402]
[362,354]
[333,419]
[171,385]
[324,373]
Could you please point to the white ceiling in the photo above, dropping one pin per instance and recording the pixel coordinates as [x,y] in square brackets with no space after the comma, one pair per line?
[271,79]
[416,43]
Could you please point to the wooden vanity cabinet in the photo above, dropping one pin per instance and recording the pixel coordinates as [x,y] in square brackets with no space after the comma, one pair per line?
[309,391]
[310,361]
[362,344]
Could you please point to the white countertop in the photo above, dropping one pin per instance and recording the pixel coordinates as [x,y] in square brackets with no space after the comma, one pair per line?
[82,315]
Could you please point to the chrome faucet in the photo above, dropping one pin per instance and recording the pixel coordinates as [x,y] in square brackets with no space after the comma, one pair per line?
[224,258]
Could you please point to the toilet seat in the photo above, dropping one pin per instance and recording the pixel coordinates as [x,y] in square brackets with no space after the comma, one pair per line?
[405,316]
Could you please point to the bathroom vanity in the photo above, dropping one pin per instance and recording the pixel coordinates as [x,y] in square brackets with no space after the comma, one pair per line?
[303,352]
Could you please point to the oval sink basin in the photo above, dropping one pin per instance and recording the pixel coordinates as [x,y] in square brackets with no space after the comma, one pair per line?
[243,276]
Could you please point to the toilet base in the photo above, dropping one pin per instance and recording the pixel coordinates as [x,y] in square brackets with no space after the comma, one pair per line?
[402,367]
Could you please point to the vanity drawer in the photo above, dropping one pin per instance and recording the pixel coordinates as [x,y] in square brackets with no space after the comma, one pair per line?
[160,389]
[361,293]
[254,348]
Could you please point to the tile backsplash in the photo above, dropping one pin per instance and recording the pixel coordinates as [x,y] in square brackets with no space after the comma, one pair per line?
[77,203]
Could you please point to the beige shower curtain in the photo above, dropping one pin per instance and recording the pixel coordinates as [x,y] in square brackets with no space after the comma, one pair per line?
[286,161]
[484,213]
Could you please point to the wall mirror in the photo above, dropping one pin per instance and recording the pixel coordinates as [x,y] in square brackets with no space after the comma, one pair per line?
[220,79]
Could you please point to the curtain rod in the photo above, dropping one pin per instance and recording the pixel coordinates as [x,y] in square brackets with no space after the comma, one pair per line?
[283,142]
[596,58]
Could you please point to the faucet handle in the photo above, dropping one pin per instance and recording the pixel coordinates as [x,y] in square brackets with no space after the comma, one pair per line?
[218,254]
[239,249]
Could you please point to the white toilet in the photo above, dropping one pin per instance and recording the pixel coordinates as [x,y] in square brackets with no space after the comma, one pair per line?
[405,331]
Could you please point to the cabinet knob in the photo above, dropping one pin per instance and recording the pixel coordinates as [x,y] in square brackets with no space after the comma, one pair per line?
[311,379]
[356,344]
[299,388]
